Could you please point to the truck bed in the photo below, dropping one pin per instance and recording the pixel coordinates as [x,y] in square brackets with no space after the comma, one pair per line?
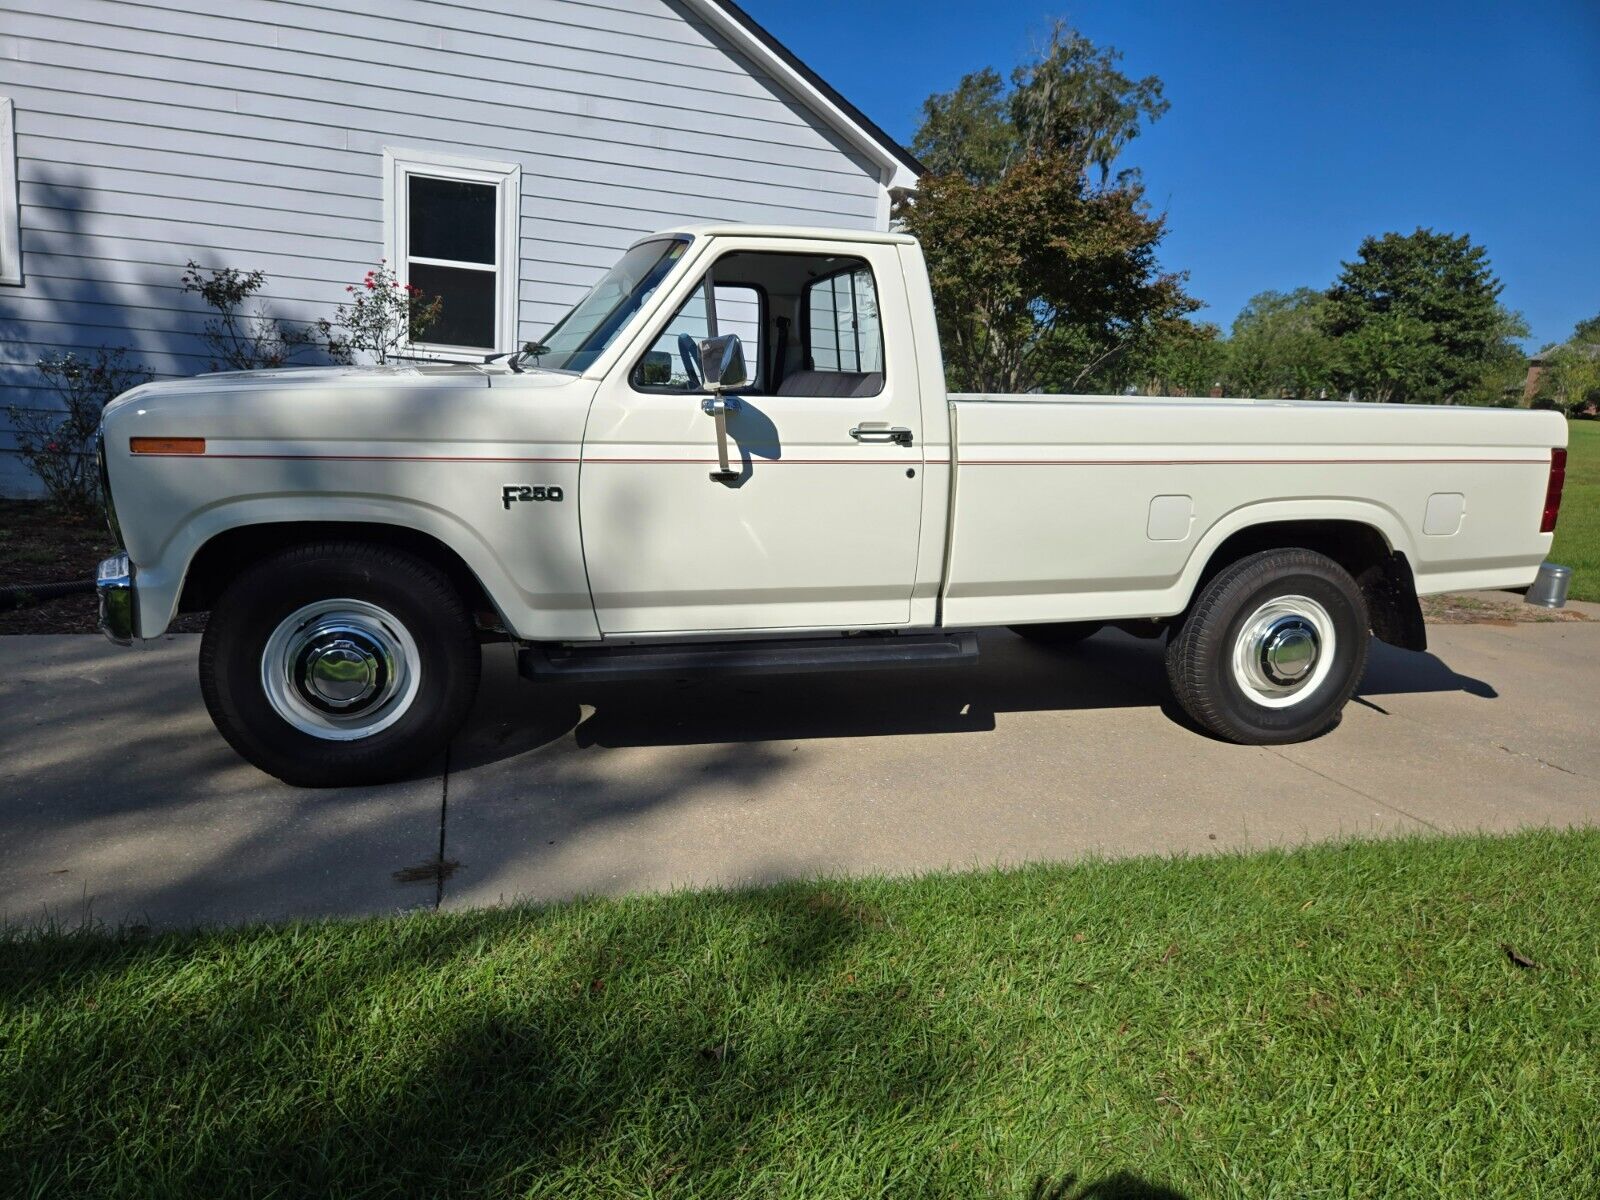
[1099,507]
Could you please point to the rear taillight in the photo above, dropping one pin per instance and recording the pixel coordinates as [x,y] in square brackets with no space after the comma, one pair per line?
[1552,491]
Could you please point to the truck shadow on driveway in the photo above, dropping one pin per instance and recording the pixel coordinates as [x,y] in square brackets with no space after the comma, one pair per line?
[123,804]
[1112,671]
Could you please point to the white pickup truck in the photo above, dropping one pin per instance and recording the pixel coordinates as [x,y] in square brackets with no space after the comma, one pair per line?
[737,453]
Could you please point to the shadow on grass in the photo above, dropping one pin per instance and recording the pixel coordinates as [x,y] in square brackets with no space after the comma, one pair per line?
[1121,1186]
[694,1046]
[491,1056]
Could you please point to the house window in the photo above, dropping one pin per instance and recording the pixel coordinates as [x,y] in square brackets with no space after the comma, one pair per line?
[10,226]
[452,232]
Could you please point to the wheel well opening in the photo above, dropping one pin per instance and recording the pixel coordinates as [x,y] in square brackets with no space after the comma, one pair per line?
[222,558]
[1382,573]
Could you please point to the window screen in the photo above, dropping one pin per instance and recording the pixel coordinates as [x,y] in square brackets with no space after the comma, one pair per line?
[843,332]
[451,243]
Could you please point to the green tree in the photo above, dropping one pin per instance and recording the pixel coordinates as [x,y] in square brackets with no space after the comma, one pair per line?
[1071,100]
[1572,377]
[1041,276]
[1388,359]
[1173,357]
[1586,333]
[968,131]
[1424,311]
[1278,347]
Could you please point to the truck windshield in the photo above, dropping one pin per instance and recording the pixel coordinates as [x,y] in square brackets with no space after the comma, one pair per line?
[580,337]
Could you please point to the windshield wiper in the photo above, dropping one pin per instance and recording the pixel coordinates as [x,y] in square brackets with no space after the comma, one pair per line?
[514,357]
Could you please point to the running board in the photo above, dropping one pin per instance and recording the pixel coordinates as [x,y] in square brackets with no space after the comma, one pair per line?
[678,661]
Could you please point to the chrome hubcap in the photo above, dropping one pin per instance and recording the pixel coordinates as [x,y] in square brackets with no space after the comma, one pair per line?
[340,669]
[1289,649]
[1284,651]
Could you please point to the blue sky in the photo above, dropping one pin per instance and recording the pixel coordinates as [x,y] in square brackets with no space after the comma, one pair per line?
[1296,129]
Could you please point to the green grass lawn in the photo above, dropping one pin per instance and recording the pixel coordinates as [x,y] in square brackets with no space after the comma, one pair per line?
[1338,1021]
[1578,530]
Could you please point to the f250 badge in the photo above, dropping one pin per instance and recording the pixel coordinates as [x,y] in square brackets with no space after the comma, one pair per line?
[512,493]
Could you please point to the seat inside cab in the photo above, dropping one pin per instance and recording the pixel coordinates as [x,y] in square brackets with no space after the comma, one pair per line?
[808,323]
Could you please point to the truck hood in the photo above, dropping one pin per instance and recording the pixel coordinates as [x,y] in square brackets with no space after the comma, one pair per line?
[395,378]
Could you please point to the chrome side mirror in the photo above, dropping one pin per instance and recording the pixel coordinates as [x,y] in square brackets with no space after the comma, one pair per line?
[722,363]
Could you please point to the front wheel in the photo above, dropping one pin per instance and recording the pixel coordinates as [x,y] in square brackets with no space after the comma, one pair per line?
[1272,649]
[339,664]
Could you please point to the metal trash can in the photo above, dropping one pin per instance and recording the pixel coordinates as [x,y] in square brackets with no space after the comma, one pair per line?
[1549,588]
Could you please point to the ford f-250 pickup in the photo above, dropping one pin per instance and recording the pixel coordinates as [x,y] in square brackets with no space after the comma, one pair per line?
[737,453]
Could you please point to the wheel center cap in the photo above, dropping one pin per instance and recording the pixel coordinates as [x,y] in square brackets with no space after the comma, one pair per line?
[339,672]
[1289,651]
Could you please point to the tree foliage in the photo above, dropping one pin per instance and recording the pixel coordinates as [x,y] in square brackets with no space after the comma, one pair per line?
[1041,275]
[1173,356]
[1072,100]
[1418,318]
[1586,333]
[1037,278]
[1572,377]
[1279,348]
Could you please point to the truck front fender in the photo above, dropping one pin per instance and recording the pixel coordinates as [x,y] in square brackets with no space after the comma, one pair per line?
[519,587]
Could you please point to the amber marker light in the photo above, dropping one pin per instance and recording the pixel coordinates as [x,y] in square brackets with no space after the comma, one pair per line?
[155,445]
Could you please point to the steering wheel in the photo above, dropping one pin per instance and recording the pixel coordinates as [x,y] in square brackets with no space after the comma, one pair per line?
[689,352]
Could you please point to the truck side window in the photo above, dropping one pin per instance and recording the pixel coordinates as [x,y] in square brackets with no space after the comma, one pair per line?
[842,329]
[738,310]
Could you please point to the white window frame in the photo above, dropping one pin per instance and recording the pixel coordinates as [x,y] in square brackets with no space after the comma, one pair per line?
[398,166]
[10,223]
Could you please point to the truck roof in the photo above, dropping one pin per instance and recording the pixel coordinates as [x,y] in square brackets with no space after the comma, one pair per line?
[735,229]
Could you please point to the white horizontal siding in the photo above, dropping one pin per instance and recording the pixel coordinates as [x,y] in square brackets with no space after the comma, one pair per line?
[149,134]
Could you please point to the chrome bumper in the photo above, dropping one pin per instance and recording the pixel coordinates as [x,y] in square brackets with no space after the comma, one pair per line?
[119,603]
[1550,586]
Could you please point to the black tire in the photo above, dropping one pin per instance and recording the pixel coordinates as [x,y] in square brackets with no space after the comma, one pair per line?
[423,716]
[1219,669]
[1058,633]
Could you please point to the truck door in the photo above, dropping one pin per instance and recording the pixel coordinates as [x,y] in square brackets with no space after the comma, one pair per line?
[819,526]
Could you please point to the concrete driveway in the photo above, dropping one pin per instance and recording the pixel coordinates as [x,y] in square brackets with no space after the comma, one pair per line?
[120,803]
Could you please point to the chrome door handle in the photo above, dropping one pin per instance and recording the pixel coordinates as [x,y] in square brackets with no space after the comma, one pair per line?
[719,406]
[898,434]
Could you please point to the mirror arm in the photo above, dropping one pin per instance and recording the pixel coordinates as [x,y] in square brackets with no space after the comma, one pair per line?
[717,405]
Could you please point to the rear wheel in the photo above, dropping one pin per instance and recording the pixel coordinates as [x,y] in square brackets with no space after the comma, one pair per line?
[339,664]
[1272,649]
[1058,633]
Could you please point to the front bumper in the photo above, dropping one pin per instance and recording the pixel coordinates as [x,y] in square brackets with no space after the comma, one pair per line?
[119,603]
[1550,586]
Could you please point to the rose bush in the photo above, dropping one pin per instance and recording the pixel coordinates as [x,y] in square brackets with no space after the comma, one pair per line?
[384,314]
[58,444]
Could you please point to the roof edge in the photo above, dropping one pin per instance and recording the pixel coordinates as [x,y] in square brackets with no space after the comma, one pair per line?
[845,116]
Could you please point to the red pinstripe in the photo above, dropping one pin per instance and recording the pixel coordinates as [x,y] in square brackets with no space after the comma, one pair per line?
[898,462]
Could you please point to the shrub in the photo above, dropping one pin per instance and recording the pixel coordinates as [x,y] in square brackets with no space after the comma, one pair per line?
[383,313]
[58,445]
[243,336]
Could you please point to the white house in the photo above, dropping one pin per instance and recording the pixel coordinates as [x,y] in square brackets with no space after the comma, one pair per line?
[499,153]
